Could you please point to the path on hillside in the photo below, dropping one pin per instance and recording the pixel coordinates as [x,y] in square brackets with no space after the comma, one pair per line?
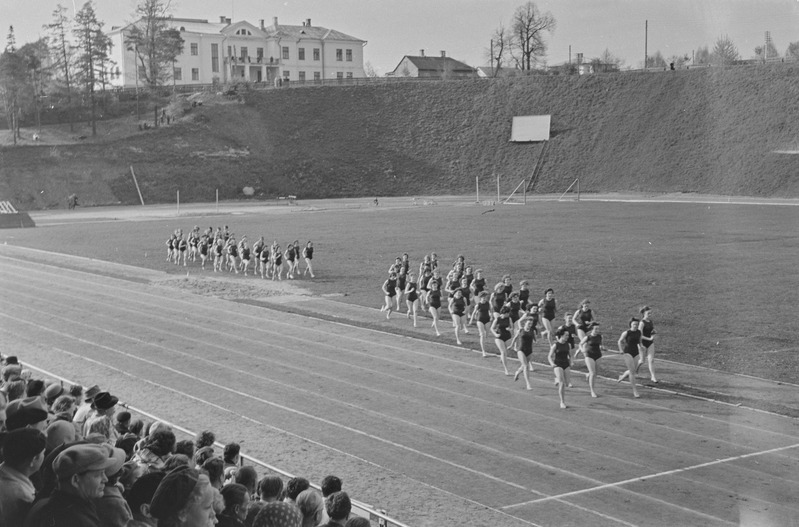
[430,432]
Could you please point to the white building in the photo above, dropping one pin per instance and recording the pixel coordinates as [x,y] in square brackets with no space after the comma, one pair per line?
[227,52]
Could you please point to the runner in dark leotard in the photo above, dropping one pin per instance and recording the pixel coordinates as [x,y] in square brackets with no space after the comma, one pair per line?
[591,344]
[467,296]
[482,312]
[389,292]
[548,307]
[628,347]
[412,297]
[524,294]
[402,279]
[582,318]
[457,308]
[647,345]
[498,298]
[434,301]
[478,285]
[307,253]
[523,341]
[501,329]
[560,358]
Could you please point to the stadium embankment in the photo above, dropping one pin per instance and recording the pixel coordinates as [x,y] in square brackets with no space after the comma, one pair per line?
[712,131]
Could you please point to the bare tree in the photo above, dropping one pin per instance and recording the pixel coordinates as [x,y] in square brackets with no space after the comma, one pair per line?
[500,50]
[528,26]
[370,70]
[607,57]
[724,52]
[656,60]
[155,44]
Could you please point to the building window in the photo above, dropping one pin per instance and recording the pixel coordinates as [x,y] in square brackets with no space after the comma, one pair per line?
[259,53]
[178,74]
[244,53]
[195,74]
[215,58]
[285,52]
[286,74]
[317,76]
[194,50]
[349,74]
[301,54]
[349,55]
[339,75]
[316,53]
[339,55]
[302,76]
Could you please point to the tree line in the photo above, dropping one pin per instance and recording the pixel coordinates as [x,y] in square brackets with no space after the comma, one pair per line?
[64,70]
[521,45]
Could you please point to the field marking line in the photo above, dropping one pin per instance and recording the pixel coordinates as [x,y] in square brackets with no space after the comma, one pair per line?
[428,355]
[652,476]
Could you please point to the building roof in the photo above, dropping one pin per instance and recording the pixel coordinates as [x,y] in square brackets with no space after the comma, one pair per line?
[309,32]
[436,64]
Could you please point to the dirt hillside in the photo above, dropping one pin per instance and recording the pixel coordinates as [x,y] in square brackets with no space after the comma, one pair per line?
[711,130]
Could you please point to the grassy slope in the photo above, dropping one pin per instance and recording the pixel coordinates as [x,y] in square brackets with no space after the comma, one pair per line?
[692,131]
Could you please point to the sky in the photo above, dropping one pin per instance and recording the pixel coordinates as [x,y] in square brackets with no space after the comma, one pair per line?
[463,28]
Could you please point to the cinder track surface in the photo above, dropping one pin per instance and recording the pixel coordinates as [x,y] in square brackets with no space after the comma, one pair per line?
[431,433]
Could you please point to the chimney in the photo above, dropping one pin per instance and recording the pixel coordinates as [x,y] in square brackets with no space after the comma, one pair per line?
[221,19]
[421,53]
[227,21]
[443,54]
[274,21]
[308,22]
[262,23]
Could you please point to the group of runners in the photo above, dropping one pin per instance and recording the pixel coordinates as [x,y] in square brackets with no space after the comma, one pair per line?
[220,248]
[511,317]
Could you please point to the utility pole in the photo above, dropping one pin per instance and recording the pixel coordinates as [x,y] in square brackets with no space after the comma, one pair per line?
[492,58]
[646,42]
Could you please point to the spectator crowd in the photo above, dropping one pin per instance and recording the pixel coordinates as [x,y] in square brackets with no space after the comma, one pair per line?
[72,456]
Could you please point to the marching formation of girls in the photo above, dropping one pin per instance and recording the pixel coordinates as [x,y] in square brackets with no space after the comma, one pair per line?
[511,317]
[220,249]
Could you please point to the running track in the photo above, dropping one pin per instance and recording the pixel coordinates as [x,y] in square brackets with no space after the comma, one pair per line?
[431,433]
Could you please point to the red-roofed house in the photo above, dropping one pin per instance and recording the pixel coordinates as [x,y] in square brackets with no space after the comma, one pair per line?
[442,67]
[230,52]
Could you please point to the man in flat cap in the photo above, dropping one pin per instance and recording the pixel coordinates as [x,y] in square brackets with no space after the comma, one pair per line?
[23,453]
[82,471]
[184,498]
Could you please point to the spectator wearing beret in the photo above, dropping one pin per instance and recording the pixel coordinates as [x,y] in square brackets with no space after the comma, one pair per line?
[86,408]
[139,498]
[338,507]
[82,471]
[312,506]
[278,514]
[23,452]
[184,498]
[29,412]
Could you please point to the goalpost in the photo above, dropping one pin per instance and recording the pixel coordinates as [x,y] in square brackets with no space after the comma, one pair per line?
[512,199]
[577,195]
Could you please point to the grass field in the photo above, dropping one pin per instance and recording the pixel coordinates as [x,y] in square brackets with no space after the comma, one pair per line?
[721,278]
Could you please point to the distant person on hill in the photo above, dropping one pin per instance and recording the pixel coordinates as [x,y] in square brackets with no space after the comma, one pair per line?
[72,201]
[307,254]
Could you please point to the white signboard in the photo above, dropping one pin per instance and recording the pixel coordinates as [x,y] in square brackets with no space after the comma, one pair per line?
[530,128]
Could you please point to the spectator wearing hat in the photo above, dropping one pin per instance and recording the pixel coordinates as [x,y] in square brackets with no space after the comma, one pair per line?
[270,489]
[236,500]
[10,359]
[104,408]
[294,486]
[35,388]
[23,453]
[139,497]
[278,514]
[82,471]
[184,498]
[312,506]
[122,422]
[28,412]
[86,408]
[51,393]
[338,507]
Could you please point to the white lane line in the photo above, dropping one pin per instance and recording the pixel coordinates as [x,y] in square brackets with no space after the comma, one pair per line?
[650,498]
[324,334]
[652,476]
